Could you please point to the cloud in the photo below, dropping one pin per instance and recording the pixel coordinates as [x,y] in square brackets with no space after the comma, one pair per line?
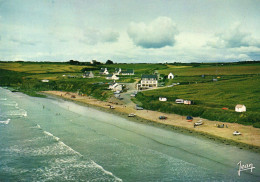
[23,42]
[234,38]
[159,33]
[94,36]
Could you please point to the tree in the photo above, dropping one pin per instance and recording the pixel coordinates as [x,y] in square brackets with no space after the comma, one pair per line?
[109,62]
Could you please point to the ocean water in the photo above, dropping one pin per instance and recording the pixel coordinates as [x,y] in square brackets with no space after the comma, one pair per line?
[55,140]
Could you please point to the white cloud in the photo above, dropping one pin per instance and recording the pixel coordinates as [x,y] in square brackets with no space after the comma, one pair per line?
[94,36]
[159,33]
[233,38]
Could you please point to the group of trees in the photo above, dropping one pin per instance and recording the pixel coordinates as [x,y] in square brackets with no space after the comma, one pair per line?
[93,62]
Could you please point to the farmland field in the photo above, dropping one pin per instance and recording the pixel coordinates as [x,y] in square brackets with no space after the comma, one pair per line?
[212,70]
[40,67]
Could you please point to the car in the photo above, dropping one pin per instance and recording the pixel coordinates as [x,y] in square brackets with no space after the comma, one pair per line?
[131,115]
[138,107]
[235,133]
[198,123]
[162,117]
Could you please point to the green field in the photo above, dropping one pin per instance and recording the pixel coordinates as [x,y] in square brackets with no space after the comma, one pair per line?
[209,99]
[237,83]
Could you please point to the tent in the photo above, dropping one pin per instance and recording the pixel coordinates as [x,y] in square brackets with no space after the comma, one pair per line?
[189,118]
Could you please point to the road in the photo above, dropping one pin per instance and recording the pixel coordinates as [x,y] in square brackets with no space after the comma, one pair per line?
[126,95]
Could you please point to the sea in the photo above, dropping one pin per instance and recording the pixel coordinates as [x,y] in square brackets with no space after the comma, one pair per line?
[50,139]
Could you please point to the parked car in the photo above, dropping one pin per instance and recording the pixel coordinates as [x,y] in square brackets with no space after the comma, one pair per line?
[131,115]
[138,107]
[235,133]
[162,117]
[198,123]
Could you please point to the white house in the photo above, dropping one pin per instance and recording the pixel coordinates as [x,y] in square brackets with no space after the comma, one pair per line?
[112,77]
[117,71]
[170,76]
[88,74]
[163,99]
[115,87]
[45,81]
[104,71]
[149,81]
[240,108]
[128,72]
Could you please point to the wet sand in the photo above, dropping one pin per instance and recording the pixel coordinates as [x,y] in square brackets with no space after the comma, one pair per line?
[250,138]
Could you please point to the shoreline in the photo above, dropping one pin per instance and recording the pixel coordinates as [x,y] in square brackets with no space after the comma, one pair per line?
[181,126]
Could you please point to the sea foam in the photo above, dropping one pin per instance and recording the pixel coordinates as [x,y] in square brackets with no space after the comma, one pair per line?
[5,122]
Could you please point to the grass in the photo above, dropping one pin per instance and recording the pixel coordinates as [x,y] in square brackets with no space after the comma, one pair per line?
[212,70]
[226,93]
[210,98]
[41,67]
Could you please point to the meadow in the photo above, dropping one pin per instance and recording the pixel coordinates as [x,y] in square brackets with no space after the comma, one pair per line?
[239,84]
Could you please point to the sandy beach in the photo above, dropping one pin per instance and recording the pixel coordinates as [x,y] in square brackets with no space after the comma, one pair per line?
[249,139]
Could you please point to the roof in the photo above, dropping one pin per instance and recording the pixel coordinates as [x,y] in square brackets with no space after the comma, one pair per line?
[149,76]
[103,69]
[128,71]
[240,106]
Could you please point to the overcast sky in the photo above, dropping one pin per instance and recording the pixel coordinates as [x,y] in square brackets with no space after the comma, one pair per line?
[130,30]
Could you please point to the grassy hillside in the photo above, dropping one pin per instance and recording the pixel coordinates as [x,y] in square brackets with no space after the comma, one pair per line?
[41,67]
[212,69]
[210,98]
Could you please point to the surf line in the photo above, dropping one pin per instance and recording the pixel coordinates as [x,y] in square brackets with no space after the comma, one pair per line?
[244,167]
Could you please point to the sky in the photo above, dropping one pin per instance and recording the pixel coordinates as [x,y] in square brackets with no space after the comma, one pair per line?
[130,31]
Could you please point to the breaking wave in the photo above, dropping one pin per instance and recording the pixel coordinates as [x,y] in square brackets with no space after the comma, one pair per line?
[5,122]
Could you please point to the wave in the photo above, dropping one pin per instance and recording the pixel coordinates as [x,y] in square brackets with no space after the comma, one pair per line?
[50,134]
[19,113]
[37,126]
[3,99]
[93,164]
[105,171]
[5,122]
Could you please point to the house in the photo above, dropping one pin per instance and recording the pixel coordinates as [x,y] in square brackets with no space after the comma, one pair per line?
[240,108]
[163,99]
[128,72]
[170,76]
[116,87]
[88,74]
[45,81]
[104,71]
[117,71]
[112,77]
[149,81]
[179,101]
[188,102]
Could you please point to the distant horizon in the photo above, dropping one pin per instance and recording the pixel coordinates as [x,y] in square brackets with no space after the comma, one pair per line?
[104,62]
[130,30]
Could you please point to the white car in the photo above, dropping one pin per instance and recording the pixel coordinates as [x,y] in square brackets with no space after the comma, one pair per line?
[131,115]
[236,133]
[198,123]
